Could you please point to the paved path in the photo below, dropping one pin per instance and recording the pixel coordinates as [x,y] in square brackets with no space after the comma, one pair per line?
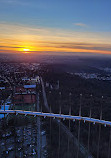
[82,149]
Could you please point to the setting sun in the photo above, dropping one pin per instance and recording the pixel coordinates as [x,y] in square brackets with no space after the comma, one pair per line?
[26,50]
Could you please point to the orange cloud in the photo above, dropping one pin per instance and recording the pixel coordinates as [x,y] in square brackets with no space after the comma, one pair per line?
[18,38]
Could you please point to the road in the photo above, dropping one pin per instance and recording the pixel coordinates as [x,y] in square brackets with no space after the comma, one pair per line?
[38,128]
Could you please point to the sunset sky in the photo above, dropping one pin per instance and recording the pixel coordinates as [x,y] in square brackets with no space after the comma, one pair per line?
[55,26]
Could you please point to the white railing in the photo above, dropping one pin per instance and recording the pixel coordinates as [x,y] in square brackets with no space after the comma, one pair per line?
[58,116]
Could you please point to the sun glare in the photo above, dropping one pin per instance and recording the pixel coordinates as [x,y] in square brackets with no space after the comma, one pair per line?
[26,50]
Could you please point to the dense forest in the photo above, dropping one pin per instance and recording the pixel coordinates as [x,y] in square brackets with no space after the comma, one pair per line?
[93,95]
